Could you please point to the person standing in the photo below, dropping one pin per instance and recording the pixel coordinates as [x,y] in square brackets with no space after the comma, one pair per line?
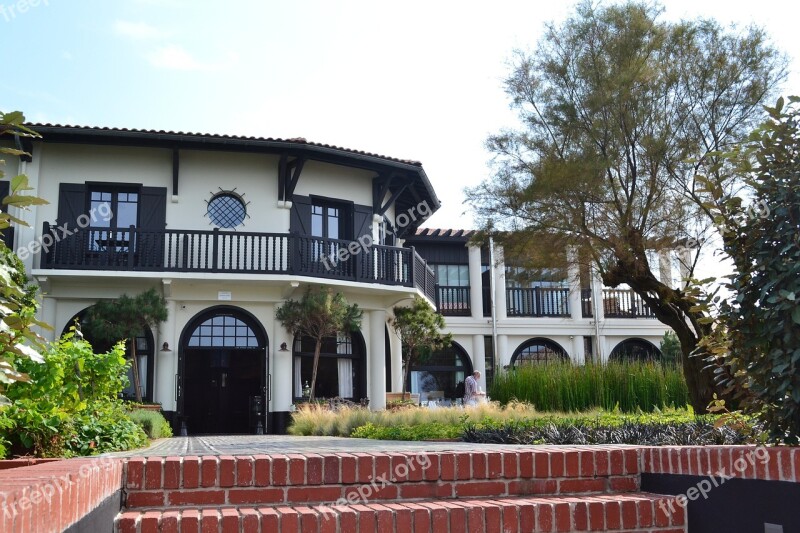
[472,390]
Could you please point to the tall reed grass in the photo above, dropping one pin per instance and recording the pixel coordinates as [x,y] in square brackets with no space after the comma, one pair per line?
[629,387]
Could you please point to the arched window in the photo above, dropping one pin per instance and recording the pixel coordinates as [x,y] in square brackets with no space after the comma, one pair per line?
[145,350]
[539,350]
[223,331]
[341,367]
[435,377]
[635,350]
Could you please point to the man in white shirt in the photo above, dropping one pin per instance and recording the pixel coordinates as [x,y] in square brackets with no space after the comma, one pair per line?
[472,391]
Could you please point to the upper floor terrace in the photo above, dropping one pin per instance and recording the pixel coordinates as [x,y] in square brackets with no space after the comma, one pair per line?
[125,200]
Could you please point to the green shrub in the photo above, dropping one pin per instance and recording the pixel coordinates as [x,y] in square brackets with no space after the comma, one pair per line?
[628,387]
[758,334]
[152,422]
[434,430]
[70,406]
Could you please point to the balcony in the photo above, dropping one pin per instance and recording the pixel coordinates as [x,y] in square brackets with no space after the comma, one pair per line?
[625,303]
[235,252]
[537,302]
[453,300]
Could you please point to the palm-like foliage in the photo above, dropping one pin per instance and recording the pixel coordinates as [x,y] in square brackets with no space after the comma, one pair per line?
[125,318]
[319,314]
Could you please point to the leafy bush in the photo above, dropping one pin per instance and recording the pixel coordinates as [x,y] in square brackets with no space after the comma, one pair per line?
[429,431]
[629,386]
[152,422]
[759,335]
[70,406]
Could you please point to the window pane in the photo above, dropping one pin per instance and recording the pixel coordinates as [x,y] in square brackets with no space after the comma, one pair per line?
[126,214]
[316,224]
[99,208]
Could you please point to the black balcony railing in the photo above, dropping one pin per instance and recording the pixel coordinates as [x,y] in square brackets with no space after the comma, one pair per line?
[453,300]
[624,303]
[136,249]
[537,301]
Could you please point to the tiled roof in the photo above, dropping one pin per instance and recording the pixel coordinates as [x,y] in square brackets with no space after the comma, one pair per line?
[242,138]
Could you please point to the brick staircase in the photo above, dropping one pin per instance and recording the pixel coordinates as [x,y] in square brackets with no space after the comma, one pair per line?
[548,489]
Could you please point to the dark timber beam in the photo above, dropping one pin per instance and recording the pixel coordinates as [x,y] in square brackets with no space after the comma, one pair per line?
[176,170]
[288,176]
[392,199]
[24,144]
[282,178]
[294,168]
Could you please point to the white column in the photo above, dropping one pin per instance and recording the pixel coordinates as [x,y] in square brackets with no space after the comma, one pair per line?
[577,353]
[49,314]
[396,346]
[665,267]
[499,273]
[281,373]
[475,286]
[166,362]
[574,275]
[376,363]
[479,358]
[599,315]
[502,356]
[25,235]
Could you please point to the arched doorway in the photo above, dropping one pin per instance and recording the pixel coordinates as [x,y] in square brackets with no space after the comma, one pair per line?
[145,355]
[538,350]
[222,367]
[342,368]
[635,350]
[435,377]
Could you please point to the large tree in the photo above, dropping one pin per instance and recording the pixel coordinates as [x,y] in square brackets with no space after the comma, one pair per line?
[319,314]
[420,330]
[620,111]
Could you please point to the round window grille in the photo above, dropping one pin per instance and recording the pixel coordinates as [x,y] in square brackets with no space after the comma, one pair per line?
[226,210]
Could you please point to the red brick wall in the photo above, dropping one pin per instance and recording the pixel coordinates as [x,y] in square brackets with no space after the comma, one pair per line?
[54,495]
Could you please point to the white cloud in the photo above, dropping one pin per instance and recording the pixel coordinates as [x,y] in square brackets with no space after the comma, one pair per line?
[136,30]
[174,57]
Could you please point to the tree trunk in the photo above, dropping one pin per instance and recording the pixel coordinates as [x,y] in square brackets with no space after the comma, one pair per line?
[137,391]
[673,308]
[317,349]
[406,368]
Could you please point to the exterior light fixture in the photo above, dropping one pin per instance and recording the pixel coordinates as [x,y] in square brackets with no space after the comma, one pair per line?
[284,348]
[165,347]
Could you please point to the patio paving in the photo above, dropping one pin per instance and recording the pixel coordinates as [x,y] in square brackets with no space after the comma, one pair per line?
[268,444]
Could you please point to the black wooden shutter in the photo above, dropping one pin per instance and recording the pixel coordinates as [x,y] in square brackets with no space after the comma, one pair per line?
[153,208]
[71,203]
[8,233]
[300,221]
[152,223]
[5,188]
[362,218]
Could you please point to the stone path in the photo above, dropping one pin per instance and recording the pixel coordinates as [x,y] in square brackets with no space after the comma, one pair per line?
[266,444]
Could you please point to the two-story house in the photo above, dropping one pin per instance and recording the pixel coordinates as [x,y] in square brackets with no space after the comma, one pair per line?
[227,228]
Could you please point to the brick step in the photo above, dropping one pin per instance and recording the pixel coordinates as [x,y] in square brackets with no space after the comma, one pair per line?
[325,478]
[632,512]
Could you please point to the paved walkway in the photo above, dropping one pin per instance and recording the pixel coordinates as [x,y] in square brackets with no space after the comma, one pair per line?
[267,444]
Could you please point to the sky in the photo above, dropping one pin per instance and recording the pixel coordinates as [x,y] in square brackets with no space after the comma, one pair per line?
[414,80]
